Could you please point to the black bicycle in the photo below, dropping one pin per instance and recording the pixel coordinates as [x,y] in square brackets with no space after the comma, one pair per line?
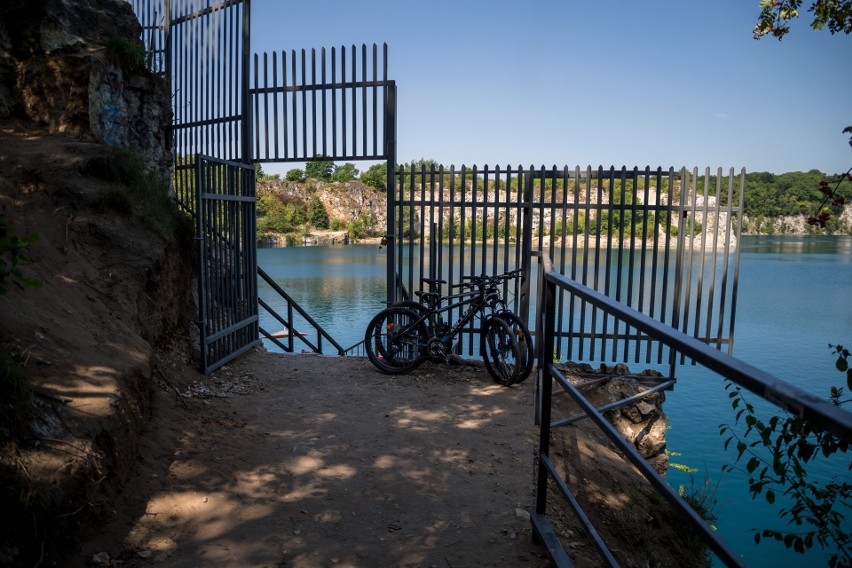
[401,337]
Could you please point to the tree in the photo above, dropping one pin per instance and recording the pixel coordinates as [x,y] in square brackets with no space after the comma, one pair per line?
[320,169]
[376,177]
[775,16]
[774,19]
[345,172]
[295,175]
[317,215]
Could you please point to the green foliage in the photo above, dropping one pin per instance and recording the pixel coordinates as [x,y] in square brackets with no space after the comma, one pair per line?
[376,177]
[776,453]
[137,191]
[275,214]
[345,172]
[317,215]
[260,175]
[319,169]
[13,253]
[295,175]
[775,16]
[127,54]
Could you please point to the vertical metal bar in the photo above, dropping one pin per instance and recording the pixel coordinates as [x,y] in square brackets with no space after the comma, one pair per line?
[740,211]
[451,220]
[313,103]
[293,102]
[422,229]
[265,105]
[256,104]
[597,253]
[620,261]
[324,128]
[526,238]
[285,128]
[304,105]
[715,257]
[643,255]
[202,261]
[608,262]
[343,114]
[363,99]
[247,156]
[631,260]
[334,101]
[545,357]
[375,101]
[354,102]
[587,234]
[390,152]
[275,120]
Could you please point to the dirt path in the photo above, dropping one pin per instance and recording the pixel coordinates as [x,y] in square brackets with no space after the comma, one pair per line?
[310,461]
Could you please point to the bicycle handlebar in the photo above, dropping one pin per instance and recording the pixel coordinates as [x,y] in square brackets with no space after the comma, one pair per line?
[485,280]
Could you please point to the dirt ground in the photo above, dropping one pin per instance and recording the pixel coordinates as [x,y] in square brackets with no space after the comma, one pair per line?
[276,460]
[312,461]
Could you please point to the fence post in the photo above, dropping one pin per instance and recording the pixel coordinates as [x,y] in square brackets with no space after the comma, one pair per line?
[526,245]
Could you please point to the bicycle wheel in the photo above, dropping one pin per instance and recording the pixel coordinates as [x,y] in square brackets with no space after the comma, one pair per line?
[500,351]
[393,340]
[525,345]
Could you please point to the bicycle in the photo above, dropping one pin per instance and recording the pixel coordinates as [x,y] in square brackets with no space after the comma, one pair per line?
[406,334]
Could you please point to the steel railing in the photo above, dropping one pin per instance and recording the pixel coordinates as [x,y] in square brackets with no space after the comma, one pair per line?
[287,322]
[783,394]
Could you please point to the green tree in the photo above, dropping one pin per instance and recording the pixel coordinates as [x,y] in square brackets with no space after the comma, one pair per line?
[320,169]
[775,16]
[345,172]
[295,175]
[376,177]
[317,215]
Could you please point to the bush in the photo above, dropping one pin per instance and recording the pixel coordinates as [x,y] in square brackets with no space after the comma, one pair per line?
[295,175]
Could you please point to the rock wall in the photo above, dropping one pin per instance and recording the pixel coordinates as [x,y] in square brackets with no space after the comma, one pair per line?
[57,71]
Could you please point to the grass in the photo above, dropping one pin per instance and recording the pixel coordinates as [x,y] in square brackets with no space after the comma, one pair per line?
[137,192]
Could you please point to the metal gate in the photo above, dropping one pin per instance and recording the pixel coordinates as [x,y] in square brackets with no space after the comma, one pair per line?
[202,47]
[227,260]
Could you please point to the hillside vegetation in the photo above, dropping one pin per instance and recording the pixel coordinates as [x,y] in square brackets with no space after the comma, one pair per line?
[339,198]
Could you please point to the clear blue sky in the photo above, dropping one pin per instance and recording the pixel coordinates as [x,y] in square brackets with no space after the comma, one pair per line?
[604,82]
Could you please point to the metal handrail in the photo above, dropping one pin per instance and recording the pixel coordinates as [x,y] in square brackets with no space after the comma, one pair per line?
[293,305]
[783,394]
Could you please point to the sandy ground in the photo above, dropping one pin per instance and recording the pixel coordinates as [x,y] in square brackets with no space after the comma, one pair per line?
[312,461]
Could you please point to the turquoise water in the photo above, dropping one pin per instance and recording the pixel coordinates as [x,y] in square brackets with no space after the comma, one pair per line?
[794,299]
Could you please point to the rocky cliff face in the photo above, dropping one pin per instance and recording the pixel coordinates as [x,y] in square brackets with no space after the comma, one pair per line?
[112,285]
[72,66]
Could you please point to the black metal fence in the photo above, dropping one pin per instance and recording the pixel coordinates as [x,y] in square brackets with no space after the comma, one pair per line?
[336,106]
[227,263]
[662,241]
[552,284]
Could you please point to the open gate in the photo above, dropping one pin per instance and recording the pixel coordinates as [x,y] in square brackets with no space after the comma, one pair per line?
[202,48]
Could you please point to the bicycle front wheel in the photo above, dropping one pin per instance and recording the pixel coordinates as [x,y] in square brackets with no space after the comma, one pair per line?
[393,339]
[501,352]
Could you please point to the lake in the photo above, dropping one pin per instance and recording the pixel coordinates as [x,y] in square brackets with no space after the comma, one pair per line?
[794,300]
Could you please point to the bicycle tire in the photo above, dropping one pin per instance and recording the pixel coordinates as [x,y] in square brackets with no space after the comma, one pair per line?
[395,353]
[500,351]
[525,344]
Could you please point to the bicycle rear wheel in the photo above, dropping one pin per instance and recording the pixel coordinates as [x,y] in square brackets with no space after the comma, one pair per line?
[393,339]
[526,355]
[501,352]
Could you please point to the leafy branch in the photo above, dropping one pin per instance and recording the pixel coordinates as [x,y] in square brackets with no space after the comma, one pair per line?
[776,453]
[13,253]
[831,194]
